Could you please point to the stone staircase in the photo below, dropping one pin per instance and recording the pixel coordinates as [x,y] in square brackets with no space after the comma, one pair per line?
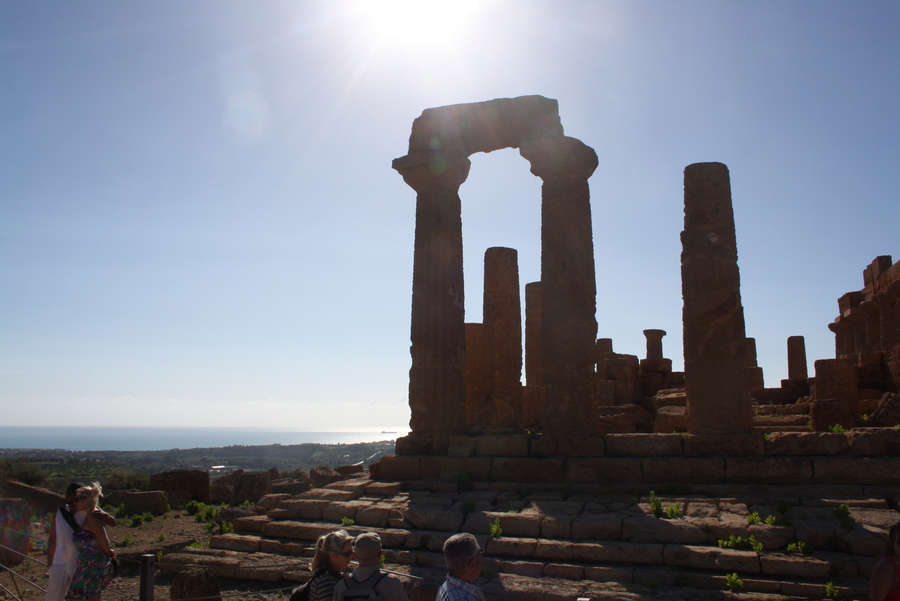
[554,544]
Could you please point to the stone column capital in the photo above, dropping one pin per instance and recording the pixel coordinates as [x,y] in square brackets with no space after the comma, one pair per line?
[559,157]
[426,170]
[654,334]
[854,316]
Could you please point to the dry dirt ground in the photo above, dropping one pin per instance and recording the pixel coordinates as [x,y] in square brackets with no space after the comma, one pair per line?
[174,530]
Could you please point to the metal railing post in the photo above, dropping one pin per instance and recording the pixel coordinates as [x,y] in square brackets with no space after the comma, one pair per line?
[148,568]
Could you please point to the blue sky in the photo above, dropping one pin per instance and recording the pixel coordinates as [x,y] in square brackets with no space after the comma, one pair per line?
[199,224]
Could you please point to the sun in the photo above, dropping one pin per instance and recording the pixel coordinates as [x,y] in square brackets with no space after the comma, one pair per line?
[418,22]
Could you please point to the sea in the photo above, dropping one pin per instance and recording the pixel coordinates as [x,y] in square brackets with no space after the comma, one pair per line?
[112,438]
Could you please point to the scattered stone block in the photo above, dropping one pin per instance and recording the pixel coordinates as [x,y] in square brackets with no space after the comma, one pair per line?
[195,583]
[153,501]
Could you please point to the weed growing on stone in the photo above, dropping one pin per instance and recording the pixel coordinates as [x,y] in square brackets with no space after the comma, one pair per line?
[734,583]
[673,510]
[753,519]
[347,521]
[842,513]
[656,505]
[771,520]
[227,527]
[741,542]
[837,428]
[802,547]
[494,528]
[161,537]
[127,541]
[831,590]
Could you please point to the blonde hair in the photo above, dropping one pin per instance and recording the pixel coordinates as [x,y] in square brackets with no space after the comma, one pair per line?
[333,542]
[93,492]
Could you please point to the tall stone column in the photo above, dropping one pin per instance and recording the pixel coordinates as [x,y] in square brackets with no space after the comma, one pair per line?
[843,337]
[872,325]
[503,314]
[715,362]
[568,282]
[857,320]
[534,368]
[654,343]
[887,312]
[796,349]
[436,390]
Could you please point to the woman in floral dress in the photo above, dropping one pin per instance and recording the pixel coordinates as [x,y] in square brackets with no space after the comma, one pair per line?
[94,568]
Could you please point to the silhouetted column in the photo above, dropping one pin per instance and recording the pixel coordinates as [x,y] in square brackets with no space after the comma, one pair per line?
[843,337]
[436,390]
[715,361]
[887,314]
[857,320]
[569,290]
[872,325]
[796,351]
[534,368]
[479,375]
[654,343]
[503,313]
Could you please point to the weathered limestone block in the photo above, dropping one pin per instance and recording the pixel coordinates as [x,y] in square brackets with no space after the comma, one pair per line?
[734,445]
[772,537]
[806,443]
[643,445]
[647,529]
[195,583]
[711,558]
[835,379]
[235,542]
[518,524]
[282,548]
[768,470]
[856,470]
[603,469]
[670,397]
[299,509]
[555,527]
[416,443]
[324,475]
[874,442]
[251,486]
[670,419]
[383,489]
[568,282]
[727,524]
[511,547]
[862,541]
[775,564]
[683,469]
[622,574]
[254,523]
[291,487]
[375,515]
[618,552]
[510,469]
[425,518]
[566,572]
[619,422]
[513,445]
[153,501]
[395,467]
[887,414]
[825,413]
[529,569]
[597,526]
[194,481]
[478,468]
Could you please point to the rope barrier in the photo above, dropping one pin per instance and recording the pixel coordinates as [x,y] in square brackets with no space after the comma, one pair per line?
[9,592]
[37,586]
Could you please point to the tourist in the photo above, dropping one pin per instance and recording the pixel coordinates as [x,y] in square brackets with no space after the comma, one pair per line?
[368,575]
[463,556]
[333,552]
[95,566]
[61,554]
[885,582]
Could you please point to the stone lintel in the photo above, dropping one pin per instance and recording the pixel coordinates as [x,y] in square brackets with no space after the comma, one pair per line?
[560,157]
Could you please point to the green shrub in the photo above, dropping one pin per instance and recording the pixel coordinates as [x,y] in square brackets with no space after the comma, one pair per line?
[161,538]
[347,521]
[136,520]
[771,520]
[802,547]
[831,590]
[248,503]
[842,513]
[656,505]
[22,470]
[837,428]
[673,510]
[127,541]
[741,542]
[495,530]
[753,518]
[227,527]
[733,582]
[192,507]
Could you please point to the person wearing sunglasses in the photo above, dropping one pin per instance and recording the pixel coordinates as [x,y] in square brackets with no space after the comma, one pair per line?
[333,553]
[463,556]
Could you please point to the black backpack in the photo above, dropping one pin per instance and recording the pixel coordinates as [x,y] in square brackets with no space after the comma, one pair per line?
[301,593]
[362,591]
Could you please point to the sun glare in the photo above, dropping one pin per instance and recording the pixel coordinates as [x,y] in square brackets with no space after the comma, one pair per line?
[418,22]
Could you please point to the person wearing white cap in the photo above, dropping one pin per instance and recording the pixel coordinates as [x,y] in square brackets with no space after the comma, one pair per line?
[368,576]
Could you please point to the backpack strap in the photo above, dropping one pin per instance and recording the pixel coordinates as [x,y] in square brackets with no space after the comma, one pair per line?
[69,518]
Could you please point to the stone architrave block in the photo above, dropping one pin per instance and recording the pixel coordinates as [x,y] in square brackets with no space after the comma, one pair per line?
[511,547]
[776,564]
[858,470]
[769,470]
[441,520]
[618,552]
[644,445]
[729,445]
[806,443]
[622,574]
[580,446]
[374,515]
[597,526]
[825,413]
[400,467]
[683,469]
[554,549]
[710,558]
[642,529]
[603,469]
[874,442]
[509,445]
[517,469]
[517,524]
